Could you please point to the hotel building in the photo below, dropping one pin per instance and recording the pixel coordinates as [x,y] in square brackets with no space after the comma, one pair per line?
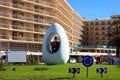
[23,23]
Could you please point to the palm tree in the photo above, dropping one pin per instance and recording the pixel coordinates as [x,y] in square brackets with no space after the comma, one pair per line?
[114,35]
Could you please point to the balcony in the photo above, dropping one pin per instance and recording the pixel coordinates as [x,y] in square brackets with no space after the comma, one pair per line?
[4,25]
[28,18]
[28,38]
[5,14]
[4,3]
[4,37]
[49,4]
[28,8]
[17,27]
[38,40]
[48,21]
[38,30]
[17,38]
[38,20]
[18,16]
[28,28]
[48,13]
[22,7]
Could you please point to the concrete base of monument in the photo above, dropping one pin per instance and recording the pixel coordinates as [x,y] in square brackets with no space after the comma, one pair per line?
[61,56]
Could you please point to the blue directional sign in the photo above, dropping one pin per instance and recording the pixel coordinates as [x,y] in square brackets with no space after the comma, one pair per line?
[87,61]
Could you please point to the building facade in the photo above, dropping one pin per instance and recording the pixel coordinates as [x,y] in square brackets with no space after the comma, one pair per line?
[23,23]
[96,31]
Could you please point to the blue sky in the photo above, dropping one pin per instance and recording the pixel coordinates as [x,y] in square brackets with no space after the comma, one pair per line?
[96,9]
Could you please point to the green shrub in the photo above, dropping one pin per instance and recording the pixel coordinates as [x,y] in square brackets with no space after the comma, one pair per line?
[2,66]
[32,59]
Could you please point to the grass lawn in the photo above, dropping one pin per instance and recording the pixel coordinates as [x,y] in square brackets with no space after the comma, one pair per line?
[57,72]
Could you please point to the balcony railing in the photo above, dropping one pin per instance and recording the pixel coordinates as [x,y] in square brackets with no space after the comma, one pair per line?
[28,18]
[48,3]
[38,30]
[38,39]
[4,3]
[4,25]
[28,28]
[38,20]
[18,16]
[28,39]
[4,37]
[22,7]
[17,38]
[17,27]
[5,14]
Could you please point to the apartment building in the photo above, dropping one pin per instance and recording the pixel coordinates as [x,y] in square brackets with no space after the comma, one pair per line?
[78,28]
[95,32]
[23,23]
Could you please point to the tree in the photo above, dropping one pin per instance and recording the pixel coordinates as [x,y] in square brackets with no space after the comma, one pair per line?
[114,35]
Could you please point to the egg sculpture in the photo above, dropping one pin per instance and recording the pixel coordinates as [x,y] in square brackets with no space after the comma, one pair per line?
[61,56]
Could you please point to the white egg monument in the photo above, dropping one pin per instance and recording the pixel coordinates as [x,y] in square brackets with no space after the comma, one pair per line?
[61,56]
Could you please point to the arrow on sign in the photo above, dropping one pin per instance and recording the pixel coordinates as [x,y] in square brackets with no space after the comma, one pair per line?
[74,70]
[101,70]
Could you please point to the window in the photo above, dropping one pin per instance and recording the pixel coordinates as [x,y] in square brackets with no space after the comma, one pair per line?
[21,34]
[91,23]
[14,12]
[109,28]
[37,1]
[109,23]
[97,23]
[103,28]
[14,33]
[103,23]
[15,3]
[103,33]
[36,8]
[35,35]
[21,23]
[14,23]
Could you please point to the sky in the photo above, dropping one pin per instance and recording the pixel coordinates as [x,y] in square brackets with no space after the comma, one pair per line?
[96,9]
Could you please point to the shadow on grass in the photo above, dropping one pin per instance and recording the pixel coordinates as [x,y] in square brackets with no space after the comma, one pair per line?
[61,78]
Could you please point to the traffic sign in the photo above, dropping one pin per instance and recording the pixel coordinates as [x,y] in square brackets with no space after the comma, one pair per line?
[87,61]
[74,70]
[101,70]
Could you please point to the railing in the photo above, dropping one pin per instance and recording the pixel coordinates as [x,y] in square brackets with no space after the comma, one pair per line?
[4,37]
[18,16]
[28,18]
[28,38]
[4,3]
[38,39]
[48,3]
[22,7]
[38,30]
[47,21]
[17,27]
[38,20]
[4,25]
[17,38]
[5,14]
[28,28]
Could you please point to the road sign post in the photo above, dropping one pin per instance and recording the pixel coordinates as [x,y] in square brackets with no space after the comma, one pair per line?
[87,61]
[101,71]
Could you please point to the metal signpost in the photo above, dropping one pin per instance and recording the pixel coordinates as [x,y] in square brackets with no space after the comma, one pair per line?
[87,61]
[74,71]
